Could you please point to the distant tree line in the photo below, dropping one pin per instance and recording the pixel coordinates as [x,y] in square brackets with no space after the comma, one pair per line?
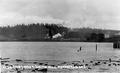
[100,37]
[86,35]
[33,31]
[46,31]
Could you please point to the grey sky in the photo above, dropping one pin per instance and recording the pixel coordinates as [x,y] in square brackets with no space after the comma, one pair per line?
[76,13]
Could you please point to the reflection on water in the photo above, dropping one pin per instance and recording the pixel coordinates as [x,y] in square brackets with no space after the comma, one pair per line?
[56,50]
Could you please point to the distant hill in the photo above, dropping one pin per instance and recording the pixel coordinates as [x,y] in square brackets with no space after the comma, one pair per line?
[85,34]
[45,32]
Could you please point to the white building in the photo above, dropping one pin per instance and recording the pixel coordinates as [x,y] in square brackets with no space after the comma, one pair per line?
[57,35]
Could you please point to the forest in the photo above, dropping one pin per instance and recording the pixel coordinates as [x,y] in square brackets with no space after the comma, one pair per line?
[46,32]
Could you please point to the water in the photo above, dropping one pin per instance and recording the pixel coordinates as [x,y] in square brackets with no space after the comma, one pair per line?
[56,50]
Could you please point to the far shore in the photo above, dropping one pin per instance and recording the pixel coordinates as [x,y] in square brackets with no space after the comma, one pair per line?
[51,41]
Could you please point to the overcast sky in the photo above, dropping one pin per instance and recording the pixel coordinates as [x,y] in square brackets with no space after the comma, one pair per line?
[74,13]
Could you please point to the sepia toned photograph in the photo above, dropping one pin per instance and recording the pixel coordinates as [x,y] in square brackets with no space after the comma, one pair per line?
[59,36]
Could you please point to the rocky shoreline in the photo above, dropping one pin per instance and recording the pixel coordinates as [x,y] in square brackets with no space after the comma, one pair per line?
[54,66]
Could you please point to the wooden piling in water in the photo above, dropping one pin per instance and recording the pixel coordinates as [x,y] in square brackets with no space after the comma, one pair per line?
[116,44]
[80,48]
[96,47]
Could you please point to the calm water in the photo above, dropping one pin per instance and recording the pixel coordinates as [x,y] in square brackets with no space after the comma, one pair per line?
[56,50]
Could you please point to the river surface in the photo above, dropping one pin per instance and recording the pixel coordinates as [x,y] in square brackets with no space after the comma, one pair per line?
[66,51]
